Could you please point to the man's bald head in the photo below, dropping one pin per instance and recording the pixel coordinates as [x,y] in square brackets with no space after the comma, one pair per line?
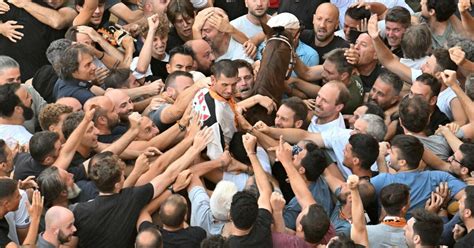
[122,102]
[203,55]
[325,21]
[173,211]
[71,102]
[57,216]
[104,107]
[97,101]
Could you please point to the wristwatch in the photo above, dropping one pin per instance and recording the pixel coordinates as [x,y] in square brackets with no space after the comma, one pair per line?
[170,188]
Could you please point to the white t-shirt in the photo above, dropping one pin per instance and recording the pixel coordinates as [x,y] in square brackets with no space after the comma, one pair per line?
[138,75]
[235,50]
[12,134]
[241,179]
[18,219]
[414,63]
[244,25]
[314,127]
[414,74]
[444,102]
[335,140]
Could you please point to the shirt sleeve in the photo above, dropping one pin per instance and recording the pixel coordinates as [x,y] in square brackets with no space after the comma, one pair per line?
[142,195]
[22,218]
[200,207]
[138,75]
[455,185]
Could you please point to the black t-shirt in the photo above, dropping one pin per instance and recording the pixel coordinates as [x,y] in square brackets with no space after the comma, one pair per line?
[26,166]
[368,81]
[30,51]
[173,40]
[466,241]
[190,237]
[4,239]
[158,68]
[110,220]
[260,236]
[43,82]
[308,36]
[233,8]
[77,168]
[302,9]
[116,133]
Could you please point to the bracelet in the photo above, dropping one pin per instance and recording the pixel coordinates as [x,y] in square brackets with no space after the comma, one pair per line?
[101,57]
[170,188]
[181,127]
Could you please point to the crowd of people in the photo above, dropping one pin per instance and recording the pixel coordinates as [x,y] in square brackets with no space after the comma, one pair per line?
[123,124]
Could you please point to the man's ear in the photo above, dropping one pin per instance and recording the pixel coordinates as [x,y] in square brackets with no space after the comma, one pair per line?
[213,80]
[78,8]
[356,161]
[345,76]
[339,107]
[302,170]
[416,239]
[168,68]
[299,123]
[433,100]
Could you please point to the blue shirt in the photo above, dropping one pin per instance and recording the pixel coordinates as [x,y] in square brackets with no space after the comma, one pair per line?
[421,184]
[307,54]
[341,225]
[73,88]
[321,194]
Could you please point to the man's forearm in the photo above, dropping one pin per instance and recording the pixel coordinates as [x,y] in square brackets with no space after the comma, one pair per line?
[72,143]
[51,17]
[119,146]
[302,193]
[32,232]
[466,102]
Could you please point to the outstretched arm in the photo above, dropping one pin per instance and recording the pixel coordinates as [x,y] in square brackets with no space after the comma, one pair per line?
[385,56]
[56,18]
[302,193]
[358,228]
[292,135]
[86,12]
[308,73]
[261,179]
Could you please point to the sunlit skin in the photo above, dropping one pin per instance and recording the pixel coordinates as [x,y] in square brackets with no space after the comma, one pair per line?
[325,21]
[10,75]
[86,70]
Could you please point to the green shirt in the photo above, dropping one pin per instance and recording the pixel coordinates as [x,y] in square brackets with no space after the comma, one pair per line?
[356,91]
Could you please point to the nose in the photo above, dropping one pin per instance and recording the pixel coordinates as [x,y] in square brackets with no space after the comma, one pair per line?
[97,10]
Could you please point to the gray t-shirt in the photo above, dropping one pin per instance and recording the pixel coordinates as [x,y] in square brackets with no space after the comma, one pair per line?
[382,235]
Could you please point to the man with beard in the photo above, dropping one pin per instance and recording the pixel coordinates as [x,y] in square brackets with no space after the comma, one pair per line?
[466,213]
[223,44]
[322,38]
[123,105]
[105,118]
[386,93]
[203,56]
[16,108]
[59,228]
[249,24]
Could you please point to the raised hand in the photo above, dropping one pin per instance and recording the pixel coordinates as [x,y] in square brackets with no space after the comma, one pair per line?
[183,180]
[352,55]
[153,22]
[202,138]
[261,126]
[284,153]
[28,183]
[35,209]
[250,142]
[464,5]
[156,87]
[96,37]
[101,74]
[443,191]
[220,22]
[9,30]
[372,27]
[267,103]
[433,204]
[352,182]
[4,7]
[202,17]
[457,55]
[135,119]
[250,49]
[310,103]
[277,201]
[449,77]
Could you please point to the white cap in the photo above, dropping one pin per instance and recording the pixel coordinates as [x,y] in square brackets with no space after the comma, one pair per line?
[286,20]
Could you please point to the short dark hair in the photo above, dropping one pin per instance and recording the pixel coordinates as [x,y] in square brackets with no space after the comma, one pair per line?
[394,197]
[175,217]
[81,2]
[298,106]
[428,226]
[8,99]
[70,61]
[243,210]
[3,154]
[106,173]
[375,109]
[225,67]
[118,78]
[71,33]
[414,113]
[42,144]
[244,64]
[215,241]
[391,79]
[443,60]
[8,187]
[179,7]
[411,149]
[469,201]
[237,149]
[51,185]
[183,50]
[366,148]
[357,13]
[314,162]
[342,241]
[337,57]
[443,9]
[467,150]
[431,81]
[171,79]
[71,122]
[315,224]
[155,242]
[400,15]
